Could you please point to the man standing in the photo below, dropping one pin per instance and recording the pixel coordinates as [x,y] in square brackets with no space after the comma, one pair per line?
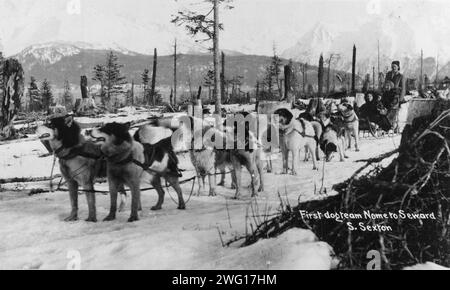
[398,90]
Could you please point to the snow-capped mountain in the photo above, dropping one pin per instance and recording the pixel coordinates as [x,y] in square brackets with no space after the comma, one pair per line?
[397,42]
[318,40]
[52,52]
[48,53]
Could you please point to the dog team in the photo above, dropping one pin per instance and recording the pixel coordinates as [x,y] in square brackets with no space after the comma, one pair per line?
[151,153]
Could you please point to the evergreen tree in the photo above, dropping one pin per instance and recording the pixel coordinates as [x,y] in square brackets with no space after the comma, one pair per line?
[208,81]
[99,76]
[276,70]
[272,76]
[109,76]
[145,77]
[46,95]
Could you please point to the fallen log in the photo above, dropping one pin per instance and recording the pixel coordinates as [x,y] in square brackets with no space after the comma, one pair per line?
[8,142]
[27,179]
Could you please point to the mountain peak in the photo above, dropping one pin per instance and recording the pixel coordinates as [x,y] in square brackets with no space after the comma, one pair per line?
[52,52]
[314,42]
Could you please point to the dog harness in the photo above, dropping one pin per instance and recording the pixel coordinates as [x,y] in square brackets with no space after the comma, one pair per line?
[350,118]
[150,153]
[81,150]
[291,128]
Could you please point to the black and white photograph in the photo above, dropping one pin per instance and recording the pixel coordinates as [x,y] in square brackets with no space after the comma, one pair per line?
[224,135]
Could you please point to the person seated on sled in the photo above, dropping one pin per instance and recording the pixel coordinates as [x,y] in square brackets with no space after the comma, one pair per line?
[381,113]
[367,109]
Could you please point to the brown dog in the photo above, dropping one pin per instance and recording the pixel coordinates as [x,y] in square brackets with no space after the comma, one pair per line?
[127,162]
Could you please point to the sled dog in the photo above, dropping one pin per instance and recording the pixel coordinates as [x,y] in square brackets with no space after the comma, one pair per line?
[295,135]
[129,160]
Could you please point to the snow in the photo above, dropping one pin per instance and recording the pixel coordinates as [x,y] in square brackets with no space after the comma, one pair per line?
[34,235]
[50,52]
[426,266]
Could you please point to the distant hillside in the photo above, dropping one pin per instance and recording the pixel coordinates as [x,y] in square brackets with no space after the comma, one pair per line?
[59,62]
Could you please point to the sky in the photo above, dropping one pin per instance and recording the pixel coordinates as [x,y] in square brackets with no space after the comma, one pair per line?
[252,27]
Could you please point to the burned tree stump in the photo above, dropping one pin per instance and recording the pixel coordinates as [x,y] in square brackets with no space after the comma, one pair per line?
[288,91]
[11,93]
[84,87]
[85,106]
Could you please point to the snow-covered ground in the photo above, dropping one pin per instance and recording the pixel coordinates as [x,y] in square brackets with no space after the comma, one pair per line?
[34,236]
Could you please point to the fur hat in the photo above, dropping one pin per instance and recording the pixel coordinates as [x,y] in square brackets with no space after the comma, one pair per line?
[397,63]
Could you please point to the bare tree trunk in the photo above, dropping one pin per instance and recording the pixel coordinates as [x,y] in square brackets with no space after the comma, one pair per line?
[174,75]
[354,71]
[257,91]
[199,93]
[421,71]
[216,59]
[288,83]
[132,92]
[373,78]
[86,105]
[329,73]
[155,64]
[378,72]
[10,95]
[306,77]
[437,71]
[222,78]
[190,82]
[83,87]
[320,77]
